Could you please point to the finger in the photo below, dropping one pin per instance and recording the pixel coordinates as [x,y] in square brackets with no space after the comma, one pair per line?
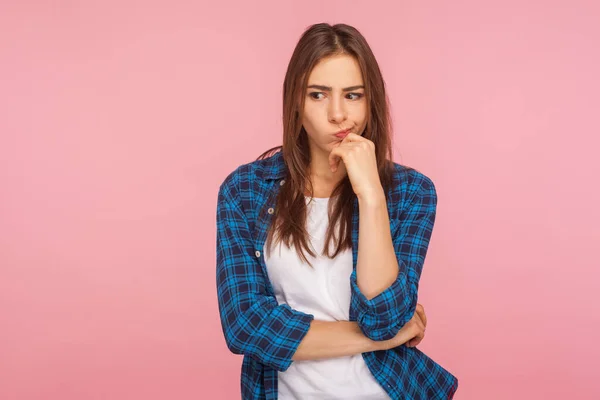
[418,316]
[415,341]
[421,311]
[353,137]
[357,140]
[420,331]
[418,338]
[419,334]
[337,154]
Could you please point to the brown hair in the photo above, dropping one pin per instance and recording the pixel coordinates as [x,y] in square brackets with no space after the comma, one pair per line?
[288,223]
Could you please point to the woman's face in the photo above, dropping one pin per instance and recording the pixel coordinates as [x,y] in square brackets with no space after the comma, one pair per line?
[335,100]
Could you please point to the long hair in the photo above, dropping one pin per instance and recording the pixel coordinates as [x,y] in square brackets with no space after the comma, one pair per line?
[289,219]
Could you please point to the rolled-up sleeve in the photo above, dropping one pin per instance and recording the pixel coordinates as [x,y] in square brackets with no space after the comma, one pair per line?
[382,317]
[252,321]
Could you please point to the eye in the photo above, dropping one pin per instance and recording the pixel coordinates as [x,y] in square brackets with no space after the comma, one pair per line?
[314,95]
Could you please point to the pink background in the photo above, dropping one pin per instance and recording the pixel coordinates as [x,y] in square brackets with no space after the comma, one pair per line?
[118,121]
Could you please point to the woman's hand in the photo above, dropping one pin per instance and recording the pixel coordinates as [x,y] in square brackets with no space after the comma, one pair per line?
[421,314]
[411,334]
[358,155]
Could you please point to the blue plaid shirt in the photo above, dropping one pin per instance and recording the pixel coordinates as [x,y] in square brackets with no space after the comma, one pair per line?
[268,334]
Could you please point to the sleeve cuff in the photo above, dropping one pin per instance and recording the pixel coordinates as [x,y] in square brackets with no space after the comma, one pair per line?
[390,301]
[297,326]
[382,317]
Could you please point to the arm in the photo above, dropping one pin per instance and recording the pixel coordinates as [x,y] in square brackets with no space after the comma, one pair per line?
[390,259]
[252,321]
[334,339]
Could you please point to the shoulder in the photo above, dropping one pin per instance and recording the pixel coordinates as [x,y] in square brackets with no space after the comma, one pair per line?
[411,180]
[268,165]
[246,184]
[410,185]
[243,174]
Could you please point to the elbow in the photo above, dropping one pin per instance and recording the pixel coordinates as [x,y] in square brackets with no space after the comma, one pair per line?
[381,317]
[239,346]
[237,341]
[233,346]
[233,338]
[381,327]
[236,336]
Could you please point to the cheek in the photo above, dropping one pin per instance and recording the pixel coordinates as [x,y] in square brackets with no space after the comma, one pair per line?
[359,110]
[312,114]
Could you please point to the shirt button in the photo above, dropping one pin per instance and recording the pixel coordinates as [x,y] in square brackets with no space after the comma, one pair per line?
[270,210]
[282,182]
[257,253]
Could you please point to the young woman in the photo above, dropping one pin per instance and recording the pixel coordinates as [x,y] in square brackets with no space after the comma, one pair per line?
[320,246]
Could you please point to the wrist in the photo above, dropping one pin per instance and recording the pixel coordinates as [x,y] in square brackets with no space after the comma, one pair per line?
[370,345]
[375,345]
[375,197]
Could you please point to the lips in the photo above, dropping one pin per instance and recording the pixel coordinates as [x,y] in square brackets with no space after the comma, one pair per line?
[342,134]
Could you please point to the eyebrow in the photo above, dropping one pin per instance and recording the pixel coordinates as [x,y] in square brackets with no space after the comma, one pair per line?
[329,89]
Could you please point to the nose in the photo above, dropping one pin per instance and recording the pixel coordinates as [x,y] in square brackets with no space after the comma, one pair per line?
[337,110]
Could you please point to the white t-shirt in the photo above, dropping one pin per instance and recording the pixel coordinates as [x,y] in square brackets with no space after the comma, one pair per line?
[323,291]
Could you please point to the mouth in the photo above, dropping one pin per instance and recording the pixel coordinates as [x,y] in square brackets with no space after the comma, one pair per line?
[342,134]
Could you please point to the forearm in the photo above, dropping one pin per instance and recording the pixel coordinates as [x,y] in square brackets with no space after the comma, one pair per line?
[377,265]
[327,339]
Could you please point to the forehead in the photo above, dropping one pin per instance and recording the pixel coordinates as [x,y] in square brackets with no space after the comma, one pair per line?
[336,71]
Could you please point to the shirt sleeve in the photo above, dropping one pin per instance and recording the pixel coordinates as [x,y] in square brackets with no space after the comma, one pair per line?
[252,321]
[382,317]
